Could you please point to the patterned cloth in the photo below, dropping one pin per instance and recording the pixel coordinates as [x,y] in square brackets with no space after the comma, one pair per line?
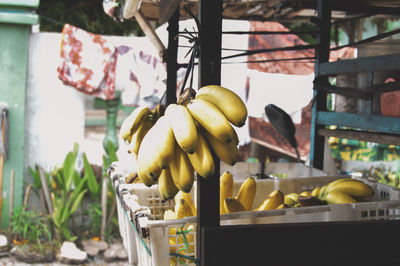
[88,62]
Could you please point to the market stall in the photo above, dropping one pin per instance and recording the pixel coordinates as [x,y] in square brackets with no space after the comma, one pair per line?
[355,232]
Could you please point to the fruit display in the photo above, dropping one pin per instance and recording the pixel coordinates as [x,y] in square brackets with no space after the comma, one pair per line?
[172,143]
[340,191]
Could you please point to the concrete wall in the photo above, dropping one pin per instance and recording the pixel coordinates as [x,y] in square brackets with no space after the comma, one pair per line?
[54,112]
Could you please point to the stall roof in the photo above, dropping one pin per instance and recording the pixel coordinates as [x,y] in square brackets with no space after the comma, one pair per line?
[264,10]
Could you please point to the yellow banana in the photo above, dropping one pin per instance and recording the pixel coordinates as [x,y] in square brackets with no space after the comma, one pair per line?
[227,101]
[333,183]
[148,155]
[322,191]
[226,152]
[338,197]
[305,194]
[139,135]
[132,122]
[165,142]
[315,192]
[185,130]
[273,200]
[247,192]
[181,170]
[182,209]
[188,199]
[354,188]
[169,215]
[225,189]
[233,205]
[202,160]
[211,119]
[290,201]
[166,185]
[294,196]
[282,206]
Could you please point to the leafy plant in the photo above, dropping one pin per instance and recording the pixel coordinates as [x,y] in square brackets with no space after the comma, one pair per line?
[30,226]
[65,198]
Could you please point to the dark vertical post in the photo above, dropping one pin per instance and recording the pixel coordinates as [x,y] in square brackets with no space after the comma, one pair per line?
[210,13]
[322,55]
[172,52]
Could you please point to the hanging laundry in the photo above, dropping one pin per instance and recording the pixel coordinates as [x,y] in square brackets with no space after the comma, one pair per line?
[141,76]
[88,62]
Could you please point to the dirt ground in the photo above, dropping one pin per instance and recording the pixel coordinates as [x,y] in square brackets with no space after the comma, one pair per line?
[11,261]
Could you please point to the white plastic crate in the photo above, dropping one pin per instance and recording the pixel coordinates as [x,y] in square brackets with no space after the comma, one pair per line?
[385,204]
[242,170]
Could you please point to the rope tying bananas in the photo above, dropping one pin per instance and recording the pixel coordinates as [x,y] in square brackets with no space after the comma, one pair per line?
[170,146]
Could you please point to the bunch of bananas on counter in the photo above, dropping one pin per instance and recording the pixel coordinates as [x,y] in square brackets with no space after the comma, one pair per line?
[340,191]
[245,197]
[172,144]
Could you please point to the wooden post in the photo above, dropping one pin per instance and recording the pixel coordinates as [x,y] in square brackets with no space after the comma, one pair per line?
[210,13]
[151,34]
[172,65]
[322,55]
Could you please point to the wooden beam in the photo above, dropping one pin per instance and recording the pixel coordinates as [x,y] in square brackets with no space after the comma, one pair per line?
[362,64]
[317,143]
[151,34]
[210,39]
[376,123]
[362,136]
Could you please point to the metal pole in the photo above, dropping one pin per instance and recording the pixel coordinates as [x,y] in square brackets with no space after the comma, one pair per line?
[210,16]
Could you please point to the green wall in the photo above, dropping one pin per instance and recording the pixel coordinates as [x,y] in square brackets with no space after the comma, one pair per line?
[15,28]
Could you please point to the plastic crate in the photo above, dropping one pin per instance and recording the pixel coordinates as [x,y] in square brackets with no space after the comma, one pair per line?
[154,234]
[242,170]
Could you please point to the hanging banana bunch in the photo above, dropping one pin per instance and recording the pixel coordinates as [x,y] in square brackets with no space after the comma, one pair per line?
[174,142]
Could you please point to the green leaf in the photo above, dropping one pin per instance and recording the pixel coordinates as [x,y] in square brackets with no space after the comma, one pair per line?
[93,186]
[77,201]
[111,152]
[36,177]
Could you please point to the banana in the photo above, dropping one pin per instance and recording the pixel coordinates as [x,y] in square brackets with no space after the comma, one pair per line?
[322,192]
[273,200]
[282,206]
[333,183]
[166,185]
[289,201]
[148,154]
[354,188]
[139,135]
[233,205]
[202,160]
[183,126]
[132,122]
[338,197]
[169,215]
[227,101]
[305,194]
[247,192]
[188,199]
[182,209]
[293,196]
[211,119]
[225,189]
[315,192]
[181,170]
[227,152]
[165,142]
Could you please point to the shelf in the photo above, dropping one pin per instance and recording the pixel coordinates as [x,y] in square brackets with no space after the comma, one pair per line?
[376,123]
[361,64]
[390,139]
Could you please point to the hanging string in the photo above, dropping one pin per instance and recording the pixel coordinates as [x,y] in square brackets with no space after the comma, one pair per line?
[194,52]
